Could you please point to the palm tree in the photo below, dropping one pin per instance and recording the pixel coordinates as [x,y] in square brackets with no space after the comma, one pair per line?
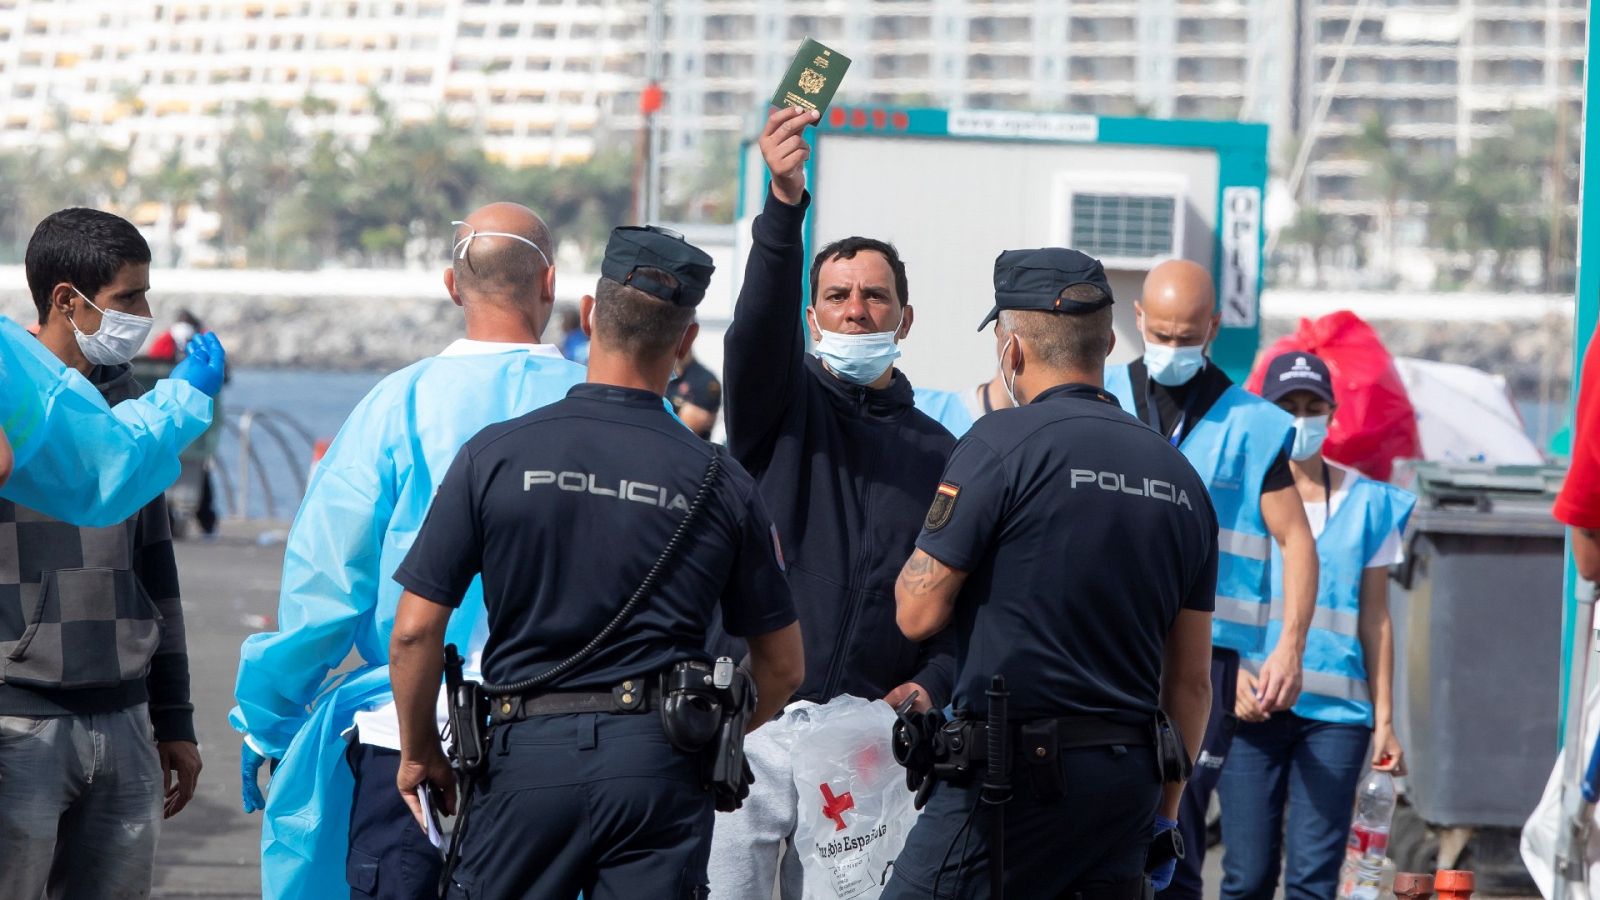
[1391,174]
[175,185]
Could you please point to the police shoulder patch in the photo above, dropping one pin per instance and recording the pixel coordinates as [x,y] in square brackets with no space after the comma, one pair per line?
[944,503]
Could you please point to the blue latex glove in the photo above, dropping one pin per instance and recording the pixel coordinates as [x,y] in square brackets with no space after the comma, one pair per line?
[1162,876]
[250,763]
[203,367]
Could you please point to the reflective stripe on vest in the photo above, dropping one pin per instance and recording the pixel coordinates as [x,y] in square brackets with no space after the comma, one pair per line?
[1232,447]
[1335,688]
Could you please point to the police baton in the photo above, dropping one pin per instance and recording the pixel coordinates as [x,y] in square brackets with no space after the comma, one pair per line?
[997,782]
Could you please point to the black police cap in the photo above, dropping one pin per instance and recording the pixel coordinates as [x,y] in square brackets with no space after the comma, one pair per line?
[1035,279]
[633,247]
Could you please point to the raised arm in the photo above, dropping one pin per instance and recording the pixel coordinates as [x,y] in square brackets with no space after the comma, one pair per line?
[764,351]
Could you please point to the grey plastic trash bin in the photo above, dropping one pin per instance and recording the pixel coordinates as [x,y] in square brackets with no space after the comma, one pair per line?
[1477,613]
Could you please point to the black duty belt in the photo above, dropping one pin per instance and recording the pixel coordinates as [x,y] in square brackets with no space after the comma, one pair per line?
[1037,738]
[629,697]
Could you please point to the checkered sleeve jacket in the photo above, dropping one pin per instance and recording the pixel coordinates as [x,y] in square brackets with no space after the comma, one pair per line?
[90,618]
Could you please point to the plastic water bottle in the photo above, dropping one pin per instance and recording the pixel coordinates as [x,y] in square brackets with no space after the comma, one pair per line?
[1362,875]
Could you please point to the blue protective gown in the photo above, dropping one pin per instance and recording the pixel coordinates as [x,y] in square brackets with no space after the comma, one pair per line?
[77,459]
[948,408]
[361,512]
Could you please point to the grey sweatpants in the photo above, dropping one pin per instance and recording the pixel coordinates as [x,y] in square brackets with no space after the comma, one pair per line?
[746,844]
[80,806]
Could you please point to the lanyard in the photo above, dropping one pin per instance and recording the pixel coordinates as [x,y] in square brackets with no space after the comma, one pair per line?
[1327,496]
[1176,437]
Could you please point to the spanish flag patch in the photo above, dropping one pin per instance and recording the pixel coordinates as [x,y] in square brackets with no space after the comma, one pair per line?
[944,503]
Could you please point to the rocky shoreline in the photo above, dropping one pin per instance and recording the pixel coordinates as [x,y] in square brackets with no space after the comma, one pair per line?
[356,333]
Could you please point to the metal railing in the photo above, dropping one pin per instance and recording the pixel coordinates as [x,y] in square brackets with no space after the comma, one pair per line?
[281,432]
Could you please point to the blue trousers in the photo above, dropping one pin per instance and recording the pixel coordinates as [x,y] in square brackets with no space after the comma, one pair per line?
[390,857]
[1187,880]
[1093,836]
[1311,767]
[596,803]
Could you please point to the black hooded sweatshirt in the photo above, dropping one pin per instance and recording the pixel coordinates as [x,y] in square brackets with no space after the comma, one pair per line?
[847,472]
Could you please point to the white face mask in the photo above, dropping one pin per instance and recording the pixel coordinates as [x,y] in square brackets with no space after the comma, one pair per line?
[860,358]
[118,338]
[1172,366]
[462,245]
[1009,383]
[1309,434]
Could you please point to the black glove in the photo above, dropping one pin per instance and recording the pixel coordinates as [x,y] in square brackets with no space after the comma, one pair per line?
[727,800]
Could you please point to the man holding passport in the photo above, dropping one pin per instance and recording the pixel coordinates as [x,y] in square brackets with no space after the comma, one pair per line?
[847,467]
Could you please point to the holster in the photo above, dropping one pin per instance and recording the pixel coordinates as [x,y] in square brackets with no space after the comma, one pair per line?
[1038,743]
[705,710]
[468,718]
[931,747]
[1171,755]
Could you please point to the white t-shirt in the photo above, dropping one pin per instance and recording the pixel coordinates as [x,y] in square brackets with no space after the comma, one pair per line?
[1391,553]
[380,726]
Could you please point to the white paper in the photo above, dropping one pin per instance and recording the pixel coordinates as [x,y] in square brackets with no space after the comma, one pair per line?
[435,836]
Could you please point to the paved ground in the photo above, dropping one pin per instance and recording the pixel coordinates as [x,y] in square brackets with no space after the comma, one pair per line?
[211,849]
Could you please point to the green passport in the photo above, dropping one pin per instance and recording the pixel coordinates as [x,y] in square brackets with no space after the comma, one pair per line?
[813,77]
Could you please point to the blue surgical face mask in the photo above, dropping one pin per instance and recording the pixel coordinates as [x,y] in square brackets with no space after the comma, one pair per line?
[1172,366]
[1309,434]
[860,358]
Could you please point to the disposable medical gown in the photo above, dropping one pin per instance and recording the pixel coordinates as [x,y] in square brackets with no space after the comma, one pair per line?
[945,407]
[76,459]
[361,513]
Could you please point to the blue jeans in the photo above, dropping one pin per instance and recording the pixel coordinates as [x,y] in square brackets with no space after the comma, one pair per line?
[80,805]
[1313,768]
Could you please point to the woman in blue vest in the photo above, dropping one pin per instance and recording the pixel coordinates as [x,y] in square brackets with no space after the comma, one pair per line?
[1310,758]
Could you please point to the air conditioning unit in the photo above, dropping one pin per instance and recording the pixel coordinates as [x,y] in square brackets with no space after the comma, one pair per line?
[1129,223]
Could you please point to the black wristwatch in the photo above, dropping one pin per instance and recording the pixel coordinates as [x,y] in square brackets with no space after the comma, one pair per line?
[1164,847]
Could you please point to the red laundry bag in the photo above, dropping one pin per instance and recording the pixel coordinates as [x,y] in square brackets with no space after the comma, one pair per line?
[1375,423]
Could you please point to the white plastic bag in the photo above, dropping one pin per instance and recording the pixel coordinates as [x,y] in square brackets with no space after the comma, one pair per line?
[1541,836]
[855,810]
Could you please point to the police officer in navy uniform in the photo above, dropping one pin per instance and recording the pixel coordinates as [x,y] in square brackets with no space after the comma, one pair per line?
[1074,552]
[563,512]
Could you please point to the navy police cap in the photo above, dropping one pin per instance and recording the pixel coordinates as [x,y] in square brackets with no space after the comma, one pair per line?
[1036,279]
[632,248]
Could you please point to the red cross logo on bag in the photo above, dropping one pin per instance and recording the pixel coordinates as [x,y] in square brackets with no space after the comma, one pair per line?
[834,807]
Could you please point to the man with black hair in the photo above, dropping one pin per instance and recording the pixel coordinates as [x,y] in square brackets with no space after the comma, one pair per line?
[74,457]
[847,464]
[566,512]
[333,814]
[95,717]
[695,395]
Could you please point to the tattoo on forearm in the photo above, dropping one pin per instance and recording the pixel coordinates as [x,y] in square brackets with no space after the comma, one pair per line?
[920,574]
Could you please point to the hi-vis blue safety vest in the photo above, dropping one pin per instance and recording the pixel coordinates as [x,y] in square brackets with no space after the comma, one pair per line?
[1335,687]
[1232,447]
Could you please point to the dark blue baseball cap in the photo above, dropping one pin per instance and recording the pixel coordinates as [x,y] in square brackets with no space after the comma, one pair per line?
[1036,279]
[1296,371]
